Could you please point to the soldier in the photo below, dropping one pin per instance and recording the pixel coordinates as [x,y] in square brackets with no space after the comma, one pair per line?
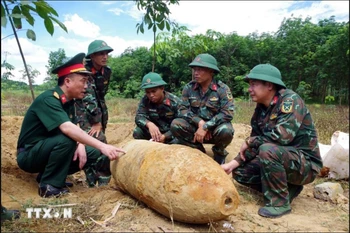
[52,144]
[92,111]
[282,153]
[156,111]
[9,214]
[206,110]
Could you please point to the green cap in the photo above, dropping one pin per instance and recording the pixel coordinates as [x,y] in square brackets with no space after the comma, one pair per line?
[205,60]
[98,46]
[266,72]
[73,65]
[151,80]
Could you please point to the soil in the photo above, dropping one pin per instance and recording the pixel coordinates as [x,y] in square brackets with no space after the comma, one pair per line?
[94,205]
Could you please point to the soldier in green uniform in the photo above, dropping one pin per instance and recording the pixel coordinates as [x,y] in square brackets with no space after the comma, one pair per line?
[92,112]
[282,152]
[156,111]
[206,110]
[9,214]
[51,143]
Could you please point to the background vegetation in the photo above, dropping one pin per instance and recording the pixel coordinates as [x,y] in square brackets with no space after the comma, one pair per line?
[313,60]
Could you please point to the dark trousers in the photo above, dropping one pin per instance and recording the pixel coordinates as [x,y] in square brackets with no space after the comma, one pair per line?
[53,157]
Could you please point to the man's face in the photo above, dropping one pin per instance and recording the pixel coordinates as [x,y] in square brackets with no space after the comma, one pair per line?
[202,74]
[99,58]
[155,94]
[258,90]
[77,85]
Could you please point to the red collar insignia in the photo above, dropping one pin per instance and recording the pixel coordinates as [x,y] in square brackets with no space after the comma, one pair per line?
[275,99]
[63,99]
[214,87]
[167,102]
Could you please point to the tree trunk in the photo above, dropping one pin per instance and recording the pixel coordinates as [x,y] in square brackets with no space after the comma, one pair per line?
[20,50]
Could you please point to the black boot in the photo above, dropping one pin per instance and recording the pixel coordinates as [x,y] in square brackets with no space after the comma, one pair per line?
[48,190]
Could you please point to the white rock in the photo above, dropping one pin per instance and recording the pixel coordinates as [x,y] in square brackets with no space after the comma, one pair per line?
[328,191]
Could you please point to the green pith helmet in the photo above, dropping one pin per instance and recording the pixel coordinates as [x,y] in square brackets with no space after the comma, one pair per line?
[205,60]
[266,72]
[151,80]
[98,46]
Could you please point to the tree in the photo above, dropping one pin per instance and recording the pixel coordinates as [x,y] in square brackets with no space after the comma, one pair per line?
[55,59]
[25,10]
[156,17]
[7,74]
[33,74]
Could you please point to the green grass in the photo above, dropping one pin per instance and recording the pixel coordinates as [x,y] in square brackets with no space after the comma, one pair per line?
[327,118]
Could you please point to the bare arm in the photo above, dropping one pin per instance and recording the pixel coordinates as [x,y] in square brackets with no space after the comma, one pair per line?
[77,134]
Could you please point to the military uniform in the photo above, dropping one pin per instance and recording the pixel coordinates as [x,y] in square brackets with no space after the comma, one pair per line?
[161,115]
[43,148]
[215,106]
[92,109]
[283,147]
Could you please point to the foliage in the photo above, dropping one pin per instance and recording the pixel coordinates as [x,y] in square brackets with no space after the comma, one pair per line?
[313,59]
[56,59]
[156,17]
[33,73]
[25,10]
[7,74]
[304,90]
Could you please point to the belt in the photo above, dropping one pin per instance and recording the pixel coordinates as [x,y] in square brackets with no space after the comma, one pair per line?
[19,150]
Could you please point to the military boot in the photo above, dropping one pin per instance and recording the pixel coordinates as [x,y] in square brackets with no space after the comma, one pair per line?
[103,180]
[91,178]
[219,155]
[9,214]
[274,211]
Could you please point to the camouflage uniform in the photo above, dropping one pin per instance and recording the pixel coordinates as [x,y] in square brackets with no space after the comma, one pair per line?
[283,149]
[215,107]
[92,108]
[161,115]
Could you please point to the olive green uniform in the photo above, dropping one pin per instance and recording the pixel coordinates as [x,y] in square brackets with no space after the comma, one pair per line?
[43,148]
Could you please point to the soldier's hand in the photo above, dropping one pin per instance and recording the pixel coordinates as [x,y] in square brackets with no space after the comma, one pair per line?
[112,152]
[154,131]
[229,167]
[80,153]
[199,135]
[95,129]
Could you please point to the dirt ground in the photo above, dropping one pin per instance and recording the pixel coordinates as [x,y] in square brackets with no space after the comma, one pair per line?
[19,189]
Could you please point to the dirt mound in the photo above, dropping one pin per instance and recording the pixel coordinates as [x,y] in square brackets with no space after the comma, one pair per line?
[19,190]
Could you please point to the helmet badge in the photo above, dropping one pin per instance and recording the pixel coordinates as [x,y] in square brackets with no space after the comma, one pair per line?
[148,80]
[198,59]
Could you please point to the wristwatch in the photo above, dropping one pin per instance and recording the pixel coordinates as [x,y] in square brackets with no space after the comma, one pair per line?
[205,127]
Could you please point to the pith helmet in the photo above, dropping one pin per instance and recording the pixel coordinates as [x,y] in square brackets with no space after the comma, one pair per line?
[73,65]
[98,46]
[151,80]
[266,72]
[205,60]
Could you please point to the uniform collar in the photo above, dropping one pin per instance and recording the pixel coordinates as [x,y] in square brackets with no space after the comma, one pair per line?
[59,94]
[213,85]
